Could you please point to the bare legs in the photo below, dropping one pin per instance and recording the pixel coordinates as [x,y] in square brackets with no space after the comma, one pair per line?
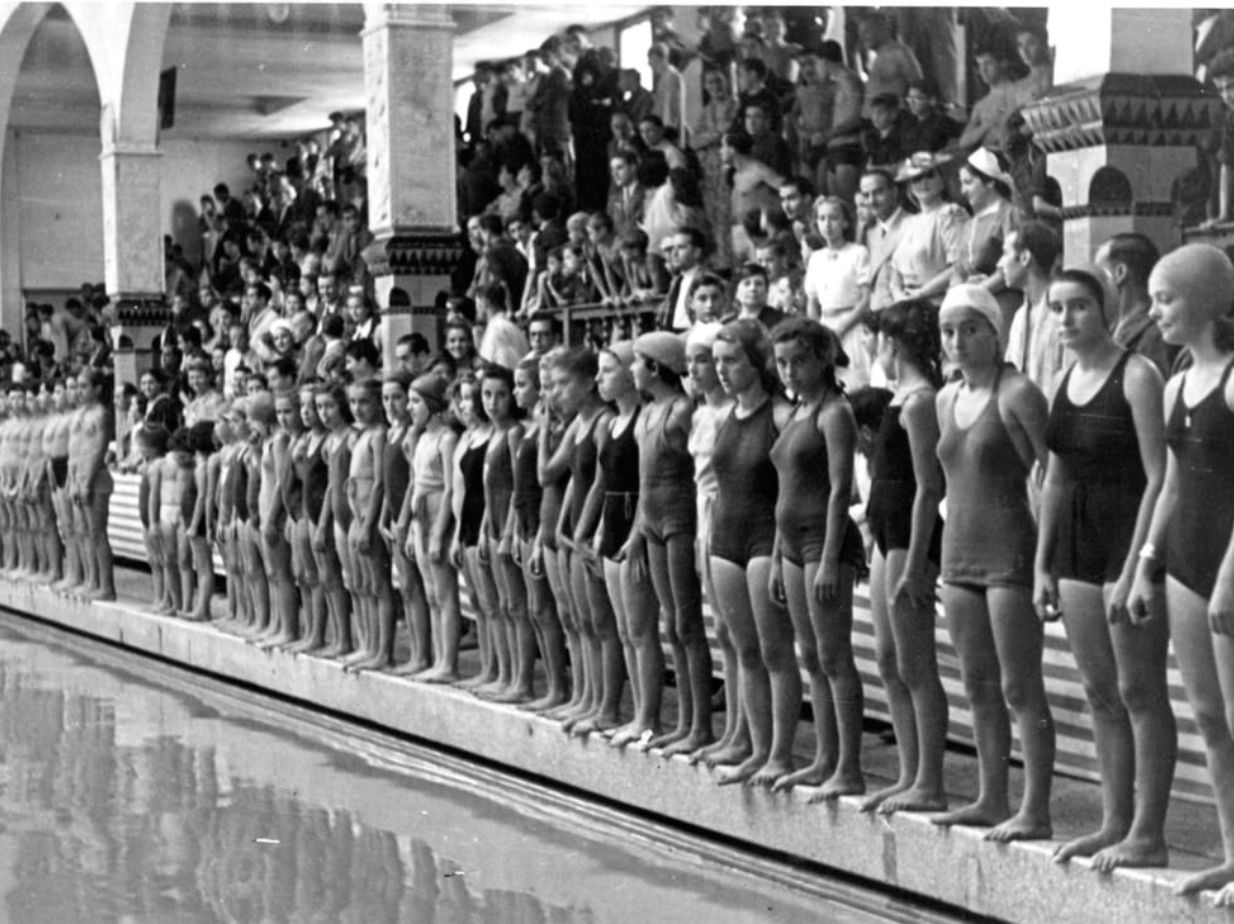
[998,639]
[1207,663]
[639,612]
[1124,670]
[908,666]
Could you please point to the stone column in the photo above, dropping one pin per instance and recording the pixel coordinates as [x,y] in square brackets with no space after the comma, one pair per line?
[133,253]
[1121,125]
[409,92]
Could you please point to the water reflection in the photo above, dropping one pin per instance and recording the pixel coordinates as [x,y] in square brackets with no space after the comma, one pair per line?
[127,800]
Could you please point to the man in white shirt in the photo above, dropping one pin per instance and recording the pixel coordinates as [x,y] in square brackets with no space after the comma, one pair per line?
[503,342]
[1034,345]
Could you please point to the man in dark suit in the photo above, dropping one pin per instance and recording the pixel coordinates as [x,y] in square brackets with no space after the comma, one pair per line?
[686,249]
[625,198]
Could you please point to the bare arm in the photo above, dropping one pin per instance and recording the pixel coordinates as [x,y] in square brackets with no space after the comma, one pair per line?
[589,520]
[836,424]
[921,424]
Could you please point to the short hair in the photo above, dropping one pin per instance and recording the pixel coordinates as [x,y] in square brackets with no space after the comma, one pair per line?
[577,361]
[332,325]
[706,279]
[491,224]
[831,51]
[262,291]
[1041,242]
[415,341]
[696,235]
[653,119]
[803,184]
[363,349]
[629,156]
[755,66]
[1135,251]
[554,326]
[746,270]
[880,171]
[285,366]
[495,294]
[886,101]
[221,190]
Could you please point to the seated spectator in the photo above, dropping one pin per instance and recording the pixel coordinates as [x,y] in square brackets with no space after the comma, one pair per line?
[161,407]
[604,256]
[500,261]
[883,141]
[207,403]
[894,65]
[555,179]
[750,298]
[461,346]
[644,274]
[989,115]
[651,130]
[572,284]
[926,126]
[546,211]
[687,248]
[503,342]
[512,200]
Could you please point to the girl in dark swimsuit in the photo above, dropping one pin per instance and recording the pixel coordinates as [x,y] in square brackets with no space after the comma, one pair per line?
[512,638]
[608,516]
[397,480]
[1107,462]
[533,506]
[201,442]
[903,516]
[1193,520]
[312,474]
[469,520]
[574,387]
[335,517]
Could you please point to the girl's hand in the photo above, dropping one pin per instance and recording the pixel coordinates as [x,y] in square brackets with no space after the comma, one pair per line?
[456,554]
[775,581]
[1117,611]
[1221,608]
[914,589]
[536,563]
[826,586]
[1045,596]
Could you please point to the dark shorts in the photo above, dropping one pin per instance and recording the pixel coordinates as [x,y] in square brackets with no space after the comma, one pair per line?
[896,532]
[60,470]
[741,544]
[618,519]
[802,545]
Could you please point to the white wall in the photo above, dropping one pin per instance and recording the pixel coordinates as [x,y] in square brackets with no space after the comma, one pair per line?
[53,227]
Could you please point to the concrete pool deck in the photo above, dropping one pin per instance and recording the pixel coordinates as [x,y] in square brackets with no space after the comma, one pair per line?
[1016,882]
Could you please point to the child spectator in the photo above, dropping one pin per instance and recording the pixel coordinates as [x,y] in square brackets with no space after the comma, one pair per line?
[572,286]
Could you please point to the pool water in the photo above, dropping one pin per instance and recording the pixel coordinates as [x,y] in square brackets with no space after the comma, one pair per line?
[132,791]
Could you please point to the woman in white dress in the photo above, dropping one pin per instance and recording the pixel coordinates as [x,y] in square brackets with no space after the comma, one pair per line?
[837,286]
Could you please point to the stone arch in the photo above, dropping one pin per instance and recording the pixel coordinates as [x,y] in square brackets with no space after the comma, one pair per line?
[136,110]
[1108,188]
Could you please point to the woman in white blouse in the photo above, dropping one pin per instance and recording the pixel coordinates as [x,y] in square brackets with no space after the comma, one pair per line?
[837,286]
[921,265]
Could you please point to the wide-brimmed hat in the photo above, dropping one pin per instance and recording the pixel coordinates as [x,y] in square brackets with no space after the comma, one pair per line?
[986,161]
[919,164]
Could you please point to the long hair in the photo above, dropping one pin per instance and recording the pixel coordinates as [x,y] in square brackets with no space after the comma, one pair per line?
[913,325]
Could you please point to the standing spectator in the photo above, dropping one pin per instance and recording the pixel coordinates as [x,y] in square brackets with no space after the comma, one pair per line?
[844,154]
[717,115]
[837,286]
[882,235]
[779,56]
[686,249]
[1033,191]
[987,188]
[668,91]
[926,127]
[503,342]
[1128,259]
[550,104]
[894,66]
[636,100]
[769,146]
[591,104]
[718,45]
[752,81]
[533,73]
[883,141]
[229,208]
[500,261]
[755,188]
[989,115]
[625,201]
[809,120]
[624,133]
[921,264]
[1034,342]
[510,73]
[797,204]
[1034,47]
[651,129]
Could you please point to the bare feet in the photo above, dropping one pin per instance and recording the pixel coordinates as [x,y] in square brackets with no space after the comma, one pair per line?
[746,770]
[813,774]
[1132,852]
[630,733]
[735,753]
[1217,878]
[772,774]
[546,703]
[514,697]
[438,675]
[1021,827]
[409,668]
[842,783]
[689,744]
[1087,845]
[375,662]
[914,800]
[595,723]
[667,739]
[876,799]
[976,815]
[1224,898]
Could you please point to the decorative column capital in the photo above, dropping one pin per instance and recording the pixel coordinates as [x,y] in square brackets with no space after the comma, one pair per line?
[415,252]
[1163,110]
